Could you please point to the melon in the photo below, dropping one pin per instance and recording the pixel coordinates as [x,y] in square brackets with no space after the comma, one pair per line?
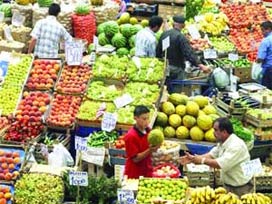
[181,110]
[169,131]
[192,108]
[168,108]
[196,133]
[205,122]
[174,120]
[189,121]
[182,132]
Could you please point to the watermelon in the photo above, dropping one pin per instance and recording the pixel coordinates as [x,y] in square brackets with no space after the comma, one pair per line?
[100,28]
[45,3]
[126,29]
[102,39]
[122,52]
[82,9]
[111,28]
[131,41]
[119,40]
[132,52]
[6,9]
[135,29]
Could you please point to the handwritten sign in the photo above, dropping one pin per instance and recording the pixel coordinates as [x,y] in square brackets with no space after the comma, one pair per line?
[123,100]
[109,121]
[17,19]
[165,43]
[95,42]
[125,196]
[193,31]
[7,33]
[233,57]
[94,155]
[252,167]
[73,53]
[80,143]
[210,54]
[2,16]
[78,178]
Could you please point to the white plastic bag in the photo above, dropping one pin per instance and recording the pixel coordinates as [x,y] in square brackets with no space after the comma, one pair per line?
[256,71]
[221,78]
[60,157]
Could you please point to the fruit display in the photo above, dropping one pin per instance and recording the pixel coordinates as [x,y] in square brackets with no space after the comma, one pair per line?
[11,160]
[4,122]
[63,110]
[73,79]
[199,44]
[28,117]
[157,188]
[120,142]
[39,188]
[264,114]
[240,63]
[222,44]
[165,170]
[6,192]
[255,198]
[43,74]
[242,132]
[82,9]
[130,184]
[241,102]
[263,96]
[6,9]
[183,118]
[193,7]
[98,139]
[209,6]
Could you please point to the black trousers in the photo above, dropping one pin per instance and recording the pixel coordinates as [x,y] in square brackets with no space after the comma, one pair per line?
[267,78]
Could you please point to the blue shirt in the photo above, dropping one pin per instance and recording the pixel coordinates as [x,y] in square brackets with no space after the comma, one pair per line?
[145,43]
[265,52]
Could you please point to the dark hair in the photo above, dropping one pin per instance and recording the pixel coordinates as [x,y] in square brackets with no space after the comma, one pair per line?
[267,25]
[155,21]
[224,124]
[139,110]
[54,9]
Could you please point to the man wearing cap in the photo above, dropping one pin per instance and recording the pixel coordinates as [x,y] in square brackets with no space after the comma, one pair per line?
[178,51]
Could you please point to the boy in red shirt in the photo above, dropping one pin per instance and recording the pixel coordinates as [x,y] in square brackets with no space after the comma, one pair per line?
[138,150]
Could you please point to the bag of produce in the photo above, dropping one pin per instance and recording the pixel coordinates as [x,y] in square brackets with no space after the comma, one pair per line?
[221,78]
[256,71]
[166,170]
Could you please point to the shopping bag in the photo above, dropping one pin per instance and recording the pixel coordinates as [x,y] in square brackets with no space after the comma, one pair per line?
[256,71]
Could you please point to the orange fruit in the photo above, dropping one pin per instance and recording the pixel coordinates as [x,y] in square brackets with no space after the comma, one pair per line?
[3,201]
[8,196]
[1,195]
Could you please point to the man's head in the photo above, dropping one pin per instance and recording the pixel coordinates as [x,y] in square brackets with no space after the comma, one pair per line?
[266,27]
[178,22]
[155,23]
[141,116]
[54,9]
[222,129]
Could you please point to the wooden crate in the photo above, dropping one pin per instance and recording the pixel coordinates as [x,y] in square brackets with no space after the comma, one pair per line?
[264,183]
[166,11]
[243,73]
[200,179]
[93,169]
[117,156]
[229,110]
[257,121]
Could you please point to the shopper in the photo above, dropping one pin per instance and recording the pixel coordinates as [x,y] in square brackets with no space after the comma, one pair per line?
[228,156]
[145,41]
[178,51]
[138,150]
[265,54]
[47,34]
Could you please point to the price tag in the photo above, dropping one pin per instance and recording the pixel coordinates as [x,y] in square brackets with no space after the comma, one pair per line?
[252,167]
[94,155]
[198,18]
[7,33]
[109,121]
[92,57]
[233,57]
[125,196]
[95,41]
[17,19]
[123,100]
[194,31]
[2,16]
[101,110]
[78,178]
[80,143]
[73,53]
[255,1]
[3,68]
[210,54]
[165,43]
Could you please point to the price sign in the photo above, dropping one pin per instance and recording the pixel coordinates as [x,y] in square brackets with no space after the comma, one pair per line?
[255,1]
[125,196]
[92,57]
[233,57]
[7,33]
[165,43]
[94,155]
[78,178]
[198,18]
[80,143]
[2,16]
[210,54]
[192,29]
[3,68]
[95,41]
[109,122]
[17,19]
[123,100]
[73,53]
[252,167]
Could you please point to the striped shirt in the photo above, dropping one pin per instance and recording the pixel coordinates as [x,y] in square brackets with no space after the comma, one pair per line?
[145,43]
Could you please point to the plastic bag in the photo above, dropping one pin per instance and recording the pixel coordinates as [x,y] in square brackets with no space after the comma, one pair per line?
[221,78]
[60,157]
[256,71]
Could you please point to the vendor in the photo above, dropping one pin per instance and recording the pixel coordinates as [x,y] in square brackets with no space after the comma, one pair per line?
[265,54]
[138,150]
[47,34]
[228,156]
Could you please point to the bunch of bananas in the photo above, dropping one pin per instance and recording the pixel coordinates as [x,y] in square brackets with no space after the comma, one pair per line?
[255,198]
[228,198]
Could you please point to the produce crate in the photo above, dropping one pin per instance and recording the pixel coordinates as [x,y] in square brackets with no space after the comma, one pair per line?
[244,74]
[166,11]
[5,46]
[117,156]
[264,183]
[257,121]
[11,190]
[199,179]
[217,179]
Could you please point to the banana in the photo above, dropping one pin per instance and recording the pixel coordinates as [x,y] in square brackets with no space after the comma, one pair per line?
[220,190]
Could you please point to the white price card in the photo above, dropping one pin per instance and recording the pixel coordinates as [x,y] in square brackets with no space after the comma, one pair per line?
[109,121]
[80,143]
[199,18]
[94,155]
[210,54]
[255,1]
[17,19]
[252,167]
[78,178]
[123,100]
[2,16]
[73,53]
[92,57]
[125,196]
[3,68]
[165,43]
[193,31]
[233,56]
[95,42]
[7,33]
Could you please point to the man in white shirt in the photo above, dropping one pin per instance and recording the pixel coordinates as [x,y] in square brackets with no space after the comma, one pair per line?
[228,156]
[145,40]
[47,34]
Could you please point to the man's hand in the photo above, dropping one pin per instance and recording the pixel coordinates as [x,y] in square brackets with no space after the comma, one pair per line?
[204,68]
[154,148]
[196,159]
[185,160]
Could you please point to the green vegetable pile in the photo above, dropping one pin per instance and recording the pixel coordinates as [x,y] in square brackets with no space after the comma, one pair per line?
[240,63]
[242,132]
[97,139]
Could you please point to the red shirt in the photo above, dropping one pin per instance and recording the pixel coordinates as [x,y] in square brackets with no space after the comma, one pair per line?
[136,142]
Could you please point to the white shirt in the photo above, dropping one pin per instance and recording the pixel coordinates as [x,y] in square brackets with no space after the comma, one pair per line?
[229,156]
[48,33]
[145,43]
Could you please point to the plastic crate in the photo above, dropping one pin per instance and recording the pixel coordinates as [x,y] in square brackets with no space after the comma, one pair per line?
[85,131]
[199,148]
